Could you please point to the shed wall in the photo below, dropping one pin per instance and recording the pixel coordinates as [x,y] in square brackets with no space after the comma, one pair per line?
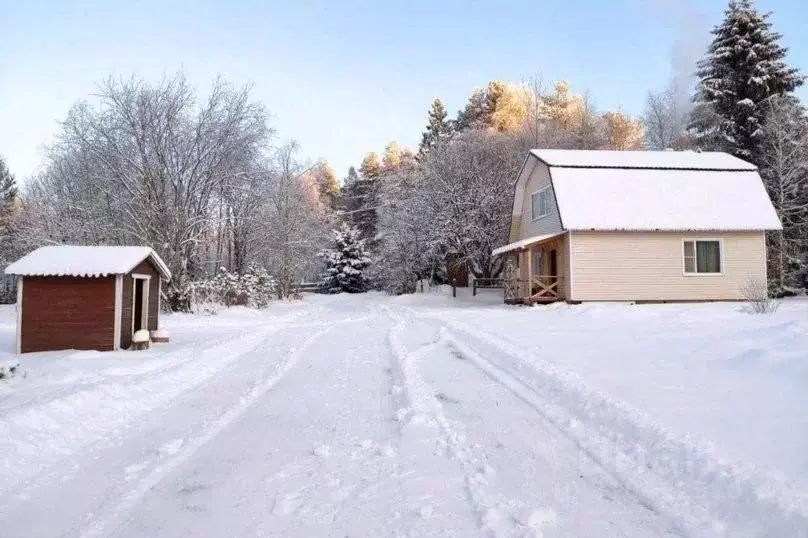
[67,313]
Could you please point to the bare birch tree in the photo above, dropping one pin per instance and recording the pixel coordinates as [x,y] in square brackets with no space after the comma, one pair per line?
[145,163]
[784,167]
[295,223]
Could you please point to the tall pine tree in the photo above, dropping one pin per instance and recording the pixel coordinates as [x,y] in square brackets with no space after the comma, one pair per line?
[438,128]
[359,196]
[346,262]
[477,112]
[8,186]
[8,205]
[744,67]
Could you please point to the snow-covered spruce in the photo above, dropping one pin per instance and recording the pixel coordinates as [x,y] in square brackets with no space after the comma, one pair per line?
[346,262]
[744,68]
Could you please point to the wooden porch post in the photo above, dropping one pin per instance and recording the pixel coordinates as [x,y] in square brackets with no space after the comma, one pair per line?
[529,272]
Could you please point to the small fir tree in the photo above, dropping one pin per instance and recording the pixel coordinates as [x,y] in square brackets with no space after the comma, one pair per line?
[346,262]
[438,128]
[744,67]
[8,186]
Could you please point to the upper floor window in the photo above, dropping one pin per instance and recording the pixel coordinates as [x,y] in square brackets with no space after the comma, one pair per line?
[702,256]
[540,202]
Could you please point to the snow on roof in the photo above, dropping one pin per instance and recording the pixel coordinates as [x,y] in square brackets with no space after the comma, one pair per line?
[679,160]
[522,243]
[85,261]
[637,200]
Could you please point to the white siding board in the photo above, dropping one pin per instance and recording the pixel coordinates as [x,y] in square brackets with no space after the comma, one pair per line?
[647,266]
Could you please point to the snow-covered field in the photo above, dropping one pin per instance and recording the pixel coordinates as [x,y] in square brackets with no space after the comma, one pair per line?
[418,416]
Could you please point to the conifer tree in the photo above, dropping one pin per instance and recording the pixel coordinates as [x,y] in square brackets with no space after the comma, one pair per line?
[8,201]
[743,68]
[346,262]
[392,157]
[476,114]
[438,128]
[359,196]
[8,186]
[371,166]
[327,183]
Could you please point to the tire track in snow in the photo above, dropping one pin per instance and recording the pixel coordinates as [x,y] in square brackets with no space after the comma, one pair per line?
[486,504]
[705,496]
[529,396]
[111,413]
[115,515]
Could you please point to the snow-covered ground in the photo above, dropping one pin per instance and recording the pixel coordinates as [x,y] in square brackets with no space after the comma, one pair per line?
[417,416]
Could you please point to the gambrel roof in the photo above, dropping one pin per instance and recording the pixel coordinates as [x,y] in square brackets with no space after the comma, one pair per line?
[85,261]
[652,191]
[668,160]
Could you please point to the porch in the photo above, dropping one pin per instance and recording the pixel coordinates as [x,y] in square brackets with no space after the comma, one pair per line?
[536,270]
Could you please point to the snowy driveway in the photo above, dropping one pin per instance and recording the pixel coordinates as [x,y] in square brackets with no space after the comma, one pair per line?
[343,416]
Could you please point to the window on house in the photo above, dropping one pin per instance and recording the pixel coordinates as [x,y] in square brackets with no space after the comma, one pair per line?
[541,203]
[702,256]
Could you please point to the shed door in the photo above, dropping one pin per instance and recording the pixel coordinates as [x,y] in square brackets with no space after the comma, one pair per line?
[138,317]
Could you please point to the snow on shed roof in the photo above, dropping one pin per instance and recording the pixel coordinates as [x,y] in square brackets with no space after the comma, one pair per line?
[665,200]
[676,160]
[85,261]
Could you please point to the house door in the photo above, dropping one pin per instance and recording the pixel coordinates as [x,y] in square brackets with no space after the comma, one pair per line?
[137,313]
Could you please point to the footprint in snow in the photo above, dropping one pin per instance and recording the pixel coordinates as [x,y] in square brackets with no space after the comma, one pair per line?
[540,519]
[134,469]
[322,451]
[286,504]
[172,447]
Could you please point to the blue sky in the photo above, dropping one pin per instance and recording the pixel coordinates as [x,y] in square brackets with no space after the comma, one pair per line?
[344,78]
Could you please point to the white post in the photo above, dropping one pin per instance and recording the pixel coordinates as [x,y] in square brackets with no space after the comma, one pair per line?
[116,344]
[19,314]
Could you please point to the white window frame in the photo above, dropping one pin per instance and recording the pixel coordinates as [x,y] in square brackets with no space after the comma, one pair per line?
[695,240]
[144,311]
[546,205]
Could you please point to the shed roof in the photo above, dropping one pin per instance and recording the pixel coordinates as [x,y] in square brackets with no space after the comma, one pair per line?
[85,261]
[672,160]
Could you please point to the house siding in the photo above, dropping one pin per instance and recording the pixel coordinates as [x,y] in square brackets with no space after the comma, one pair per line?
[527,227]
[67,313]
[144,268]
[648,266]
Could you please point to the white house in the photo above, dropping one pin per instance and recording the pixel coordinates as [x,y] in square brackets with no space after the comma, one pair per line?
[636,226]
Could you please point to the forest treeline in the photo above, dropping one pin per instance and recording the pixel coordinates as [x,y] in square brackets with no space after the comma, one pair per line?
[203,180]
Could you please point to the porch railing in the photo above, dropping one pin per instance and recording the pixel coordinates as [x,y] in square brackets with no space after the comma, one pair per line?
[480,283]
[539,288]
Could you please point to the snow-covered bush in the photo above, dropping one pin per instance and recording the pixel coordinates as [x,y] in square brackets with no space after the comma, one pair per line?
[252,288]
[346,262]
[756,293]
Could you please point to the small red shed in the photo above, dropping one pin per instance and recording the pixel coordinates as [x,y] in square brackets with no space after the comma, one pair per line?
[85,297]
